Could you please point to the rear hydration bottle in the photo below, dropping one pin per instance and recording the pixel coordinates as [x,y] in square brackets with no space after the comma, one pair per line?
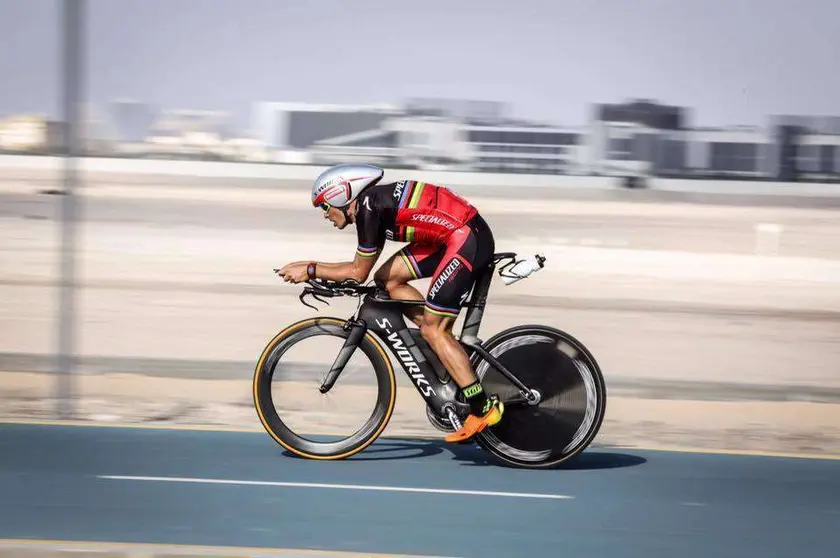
[523,269]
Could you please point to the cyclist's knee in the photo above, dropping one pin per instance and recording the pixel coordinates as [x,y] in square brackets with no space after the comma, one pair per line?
[434,326]
[380,276]
[428,330]
[390,284]
[385,279]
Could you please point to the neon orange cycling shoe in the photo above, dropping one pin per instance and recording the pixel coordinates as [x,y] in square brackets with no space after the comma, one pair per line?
[493,411]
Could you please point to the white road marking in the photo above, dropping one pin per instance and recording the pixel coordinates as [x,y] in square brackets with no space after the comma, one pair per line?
[342,486]
[172,550]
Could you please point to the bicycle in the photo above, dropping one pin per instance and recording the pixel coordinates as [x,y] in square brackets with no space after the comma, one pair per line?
[554,400]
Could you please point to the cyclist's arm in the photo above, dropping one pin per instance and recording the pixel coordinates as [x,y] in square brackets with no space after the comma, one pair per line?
[358,269]
[371,239]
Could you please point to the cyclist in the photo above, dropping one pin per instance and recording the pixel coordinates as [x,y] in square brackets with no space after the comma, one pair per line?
[448,240]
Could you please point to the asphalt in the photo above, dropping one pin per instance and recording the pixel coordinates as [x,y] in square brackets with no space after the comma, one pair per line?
[151,486]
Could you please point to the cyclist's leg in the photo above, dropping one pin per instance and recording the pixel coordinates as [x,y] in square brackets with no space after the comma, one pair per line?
[469,250]
[450,285]
[412,262]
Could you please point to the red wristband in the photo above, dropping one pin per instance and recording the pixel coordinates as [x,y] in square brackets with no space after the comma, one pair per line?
[310,270]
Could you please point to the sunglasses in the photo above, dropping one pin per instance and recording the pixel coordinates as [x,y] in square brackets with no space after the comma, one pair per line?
[324,206]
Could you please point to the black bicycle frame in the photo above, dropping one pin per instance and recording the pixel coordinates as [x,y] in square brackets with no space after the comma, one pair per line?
[384,317]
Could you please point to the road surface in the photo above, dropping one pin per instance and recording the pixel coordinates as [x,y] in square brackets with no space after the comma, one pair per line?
[416,497]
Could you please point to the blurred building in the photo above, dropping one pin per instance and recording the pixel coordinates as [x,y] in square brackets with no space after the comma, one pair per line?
[98,135]
[637,138]
[132,121]
[646,138]
[24,133]
[291,129]
[640,138]
[33,134]
[525,149]
[189,133]
[425,133]
[804,148]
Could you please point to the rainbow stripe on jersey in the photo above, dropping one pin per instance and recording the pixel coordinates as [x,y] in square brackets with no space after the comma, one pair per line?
[410,199]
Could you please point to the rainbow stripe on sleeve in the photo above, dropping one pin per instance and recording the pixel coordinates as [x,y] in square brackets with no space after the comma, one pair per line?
[366,251]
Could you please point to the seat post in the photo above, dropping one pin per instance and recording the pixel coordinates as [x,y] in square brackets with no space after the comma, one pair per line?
[475,305]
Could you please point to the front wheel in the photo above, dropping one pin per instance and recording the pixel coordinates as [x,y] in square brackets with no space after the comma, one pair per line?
[376,388]
[571,389]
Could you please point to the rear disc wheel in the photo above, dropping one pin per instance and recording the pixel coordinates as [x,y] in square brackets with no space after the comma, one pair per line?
[571,389]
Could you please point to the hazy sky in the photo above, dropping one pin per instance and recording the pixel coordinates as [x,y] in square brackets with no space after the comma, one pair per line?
[732,61]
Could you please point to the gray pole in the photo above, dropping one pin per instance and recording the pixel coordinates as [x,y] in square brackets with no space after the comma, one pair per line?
[72,57]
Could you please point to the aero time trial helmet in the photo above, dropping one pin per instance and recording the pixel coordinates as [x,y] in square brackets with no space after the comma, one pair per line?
[339,185]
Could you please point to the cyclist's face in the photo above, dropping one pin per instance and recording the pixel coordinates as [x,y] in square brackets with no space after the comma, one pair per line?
[335,215]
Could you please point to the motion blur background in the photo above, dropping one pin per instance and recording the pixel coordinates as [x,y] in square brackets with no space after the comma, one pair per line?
[677,162]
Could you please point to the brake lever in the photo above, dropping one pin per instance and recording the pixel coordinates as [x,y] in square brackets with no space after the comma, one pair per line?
[316,297]
[311,292]
[303,295]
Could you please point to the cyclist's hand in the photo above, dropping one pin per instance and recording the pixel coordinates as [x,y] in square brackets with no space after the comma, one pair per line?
[294,272]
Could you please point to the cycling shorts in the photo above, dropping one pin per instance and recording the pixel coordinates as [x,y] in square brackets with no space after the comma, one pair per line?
[453,266]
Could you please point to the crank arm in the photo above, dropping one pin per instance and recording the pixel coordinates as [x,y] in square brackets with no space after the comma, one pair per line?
[520,399]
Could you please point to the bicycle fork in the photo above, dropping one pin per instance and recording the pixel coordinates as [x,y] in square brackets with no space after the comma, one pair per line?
[357,330]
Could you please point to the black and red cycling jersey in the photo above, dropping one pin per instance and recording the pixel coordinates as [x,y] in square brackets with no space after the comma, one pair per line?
[447,238]
[408,211]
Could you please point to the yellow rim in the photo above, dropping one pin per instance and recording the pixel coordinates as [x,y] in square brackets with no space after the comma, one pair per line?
[258,403]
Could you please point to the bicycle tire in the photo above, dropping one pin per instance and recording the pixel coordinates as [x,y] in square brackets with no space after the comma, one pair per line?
[282,434]
[513,441]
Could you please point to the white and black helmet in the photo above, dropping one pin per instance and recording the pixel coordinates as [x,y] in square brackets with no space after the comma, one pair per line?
[339,185]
